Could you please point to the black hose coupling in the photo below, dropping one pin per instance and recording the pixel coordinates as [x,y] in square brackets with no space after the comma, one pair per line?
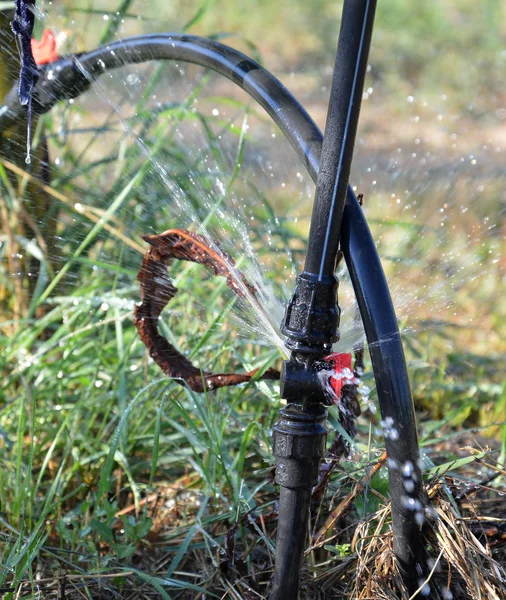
[312,316]
[299,439]
[303,382]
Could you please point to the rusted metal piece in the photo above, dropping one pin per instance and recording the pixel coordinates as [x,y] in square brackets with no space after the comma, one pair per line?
[157,290]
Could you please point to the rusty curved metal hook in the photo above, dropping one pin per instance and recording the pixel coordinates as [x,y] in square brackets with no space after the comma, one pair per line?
[157,290]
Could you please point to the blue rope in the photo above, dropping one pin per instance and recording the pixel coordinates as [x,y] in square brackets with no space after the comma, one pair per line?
[22,26]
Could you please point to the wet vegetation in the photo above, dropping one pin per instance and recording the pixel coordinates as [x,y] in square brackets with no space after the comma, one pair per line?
[116,482]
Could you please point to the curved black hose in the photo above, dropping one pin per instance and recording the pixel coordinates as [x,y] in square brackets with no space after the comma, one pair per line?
[394,392]
[363,262]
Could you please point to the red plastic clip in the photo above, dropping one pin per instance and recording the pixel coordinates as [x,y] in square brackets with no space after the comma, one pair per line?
[44,51]
[342,372]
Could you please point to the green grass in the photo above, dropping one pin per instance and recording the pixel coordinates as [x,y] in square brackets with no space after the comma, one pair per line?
[128,483]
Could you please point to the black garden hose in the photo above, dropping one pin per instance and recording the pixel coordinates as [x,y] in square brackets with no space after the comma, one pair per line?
[339,139]
[70,76]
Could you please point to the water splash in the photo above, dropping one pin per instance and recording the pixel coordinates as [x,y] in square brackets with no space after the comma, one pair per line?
[266,308]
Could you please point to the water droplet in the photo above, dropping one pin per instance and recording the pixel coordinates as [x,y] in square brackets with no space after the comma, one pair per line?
[407,469]
[409,485]
[425,591]
[132,79]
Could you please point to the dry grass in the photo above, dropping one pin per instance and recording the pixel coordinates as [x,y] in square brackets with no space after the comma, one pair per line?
[465,534]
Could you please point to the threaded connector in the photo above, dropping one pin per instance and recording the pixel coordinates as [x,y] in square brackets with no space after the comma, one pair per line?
[299,439]
[312,315]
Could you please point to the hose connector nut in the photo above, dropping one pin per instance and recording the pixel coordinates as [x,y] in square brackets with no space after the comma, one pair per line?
[299,440]
[312,315]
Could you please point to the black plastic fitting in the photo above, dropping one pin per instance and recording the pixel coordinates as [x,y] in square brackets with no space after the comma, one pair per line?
[300,382]
[299,443]
[299,437]
[312,315]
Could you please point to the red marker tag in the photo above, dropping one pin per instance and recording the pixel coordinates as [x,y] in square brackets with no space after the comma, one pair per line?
[342,373]
[44,51]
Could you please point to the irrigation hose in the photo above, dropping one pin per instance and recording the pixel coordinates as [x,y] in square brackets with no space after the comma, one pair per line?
[339,139]
[311,322]
[357,244]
